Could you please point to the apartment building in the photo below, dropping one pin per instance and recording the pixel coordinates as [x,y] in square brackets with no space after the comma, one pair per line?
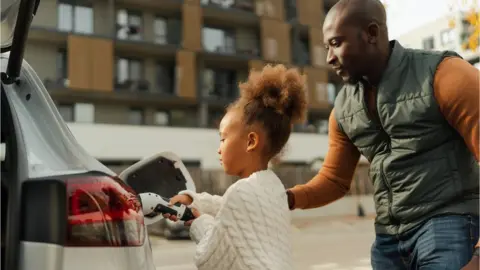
[173,63]
[448,32]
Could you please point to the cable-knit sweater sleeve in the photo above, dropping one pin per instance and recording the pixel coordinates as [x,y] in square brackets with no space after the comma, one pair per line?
[231,240]
[204,202]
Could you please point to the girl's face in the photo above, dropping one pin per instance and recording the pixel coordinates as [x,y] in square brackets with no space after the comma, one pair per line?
[239,149]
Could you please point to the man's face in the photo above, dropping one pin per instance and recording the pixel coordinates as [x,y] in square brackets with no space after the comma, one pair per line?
[347,49]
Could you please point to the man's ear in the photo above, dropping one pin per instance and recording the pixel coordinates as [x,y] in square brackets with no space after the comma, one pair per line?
[252,141]
[373,31]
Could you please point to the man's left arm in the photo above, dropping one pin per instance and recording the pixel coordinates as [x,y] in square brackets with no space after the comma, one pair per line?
[457,89]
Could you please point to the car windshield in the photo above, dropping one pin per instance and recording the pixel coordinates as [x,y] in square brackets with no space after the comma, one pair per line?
[9,11]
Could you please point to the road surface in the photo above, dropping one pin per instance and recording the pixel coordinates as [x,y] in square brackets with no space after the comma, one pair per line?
[333,244]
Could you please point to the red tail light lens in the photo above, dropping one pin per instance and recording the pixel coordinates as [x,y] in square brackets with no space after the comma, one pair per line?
[103,211]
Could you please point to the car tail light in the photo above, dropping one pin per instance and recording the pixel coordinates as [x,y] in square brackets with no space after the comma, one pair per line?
[103,211]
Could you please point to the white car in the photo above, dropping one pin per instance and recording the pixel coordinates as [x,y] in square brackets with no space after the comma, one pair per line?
[61,208]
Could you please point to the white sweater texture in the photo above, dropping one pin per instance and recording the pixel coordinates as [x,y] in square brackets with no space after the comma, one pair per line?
[246,228]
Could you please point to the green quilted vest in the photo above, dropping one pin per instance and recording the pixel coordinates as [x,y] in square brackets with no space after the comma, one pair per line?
[419,165]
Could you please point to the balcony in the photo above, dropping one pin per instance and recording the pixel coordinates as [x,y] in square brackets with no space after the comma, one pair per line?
[230,47]
[158,36]
[219,86]
[300,46]
[230,13]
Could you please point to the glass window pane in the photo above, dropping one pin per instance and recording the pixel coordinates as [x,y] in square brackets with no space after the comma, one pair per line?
[213,39]
[84,113]
[135,21]
[161,119]
[135,70]
[135,117]
[208,82]
[83,20]
[160,31]
[61,64]
[66,111]
[122,70]
[65,17]
[122,19]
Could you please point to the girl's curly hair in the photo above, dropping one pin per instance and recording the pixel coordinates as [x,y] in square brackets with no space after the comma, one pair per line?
[275,98]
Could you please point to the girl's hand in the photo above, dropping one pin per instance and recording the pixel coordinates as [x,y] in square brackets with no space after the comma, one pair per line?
[195,213]
[183,199]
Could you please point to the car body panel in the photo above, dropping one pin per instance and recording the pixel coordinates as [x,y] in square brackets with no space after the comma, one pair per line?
[51,147]
[52,151]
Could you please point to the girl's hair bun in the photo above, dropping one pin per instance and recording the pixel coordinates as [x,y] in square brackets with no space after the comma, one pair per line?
[278,88]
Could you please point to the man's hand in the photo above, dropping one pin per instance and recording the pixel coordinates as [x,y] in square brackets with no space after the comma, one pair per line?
[183,199]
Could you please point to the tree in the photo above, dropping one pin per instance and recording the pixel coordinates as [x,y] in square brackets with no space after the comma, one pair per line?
[470,22]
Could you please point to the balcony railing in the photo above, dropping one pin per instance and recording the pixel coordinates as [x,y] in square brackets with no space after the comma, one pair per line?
[244,5]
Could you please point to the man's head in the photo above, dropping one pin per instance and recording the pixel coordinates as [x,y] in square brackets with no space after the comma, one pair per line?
[356,38]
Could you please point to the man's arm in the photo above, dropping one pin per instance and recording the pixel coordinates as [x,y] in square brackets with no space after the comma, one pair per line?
[456,86]
[334,179]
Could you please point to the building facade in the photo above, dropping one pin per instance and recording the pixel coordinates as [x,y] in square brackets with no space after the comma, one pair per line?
[449,32]
[173,62]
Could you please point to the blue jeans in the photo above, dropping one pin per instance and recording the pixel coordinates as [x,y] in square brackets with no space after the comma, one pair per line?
[441,243]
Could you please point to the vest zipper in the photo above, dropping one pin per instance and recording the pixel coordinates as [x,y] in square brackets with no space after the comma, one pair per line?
[379,126]
[387,184]
[378,120]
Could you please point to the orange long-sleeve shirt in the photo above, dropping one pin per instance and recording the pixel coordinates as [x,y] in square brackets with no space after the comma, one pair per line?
[456,89]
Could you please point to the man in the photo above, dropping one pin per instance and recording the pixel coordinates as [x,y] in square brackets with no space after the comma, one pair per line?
[414,115]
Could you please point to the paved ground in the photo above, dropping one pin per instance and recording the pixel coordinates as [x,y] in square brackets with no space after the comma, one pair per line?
[332,244]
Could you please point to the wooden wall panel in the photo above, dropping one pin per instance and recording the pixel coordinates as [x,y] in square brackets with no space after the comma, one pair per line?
[317,80]
[79,73]
[186,74]
[276,44]
[192,27]
[256,65]
[102,64]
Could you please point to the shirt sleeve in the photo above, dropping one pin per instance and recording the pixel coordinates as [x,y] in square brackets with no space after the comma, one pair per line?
[334,178]
[204,202]
[456,88]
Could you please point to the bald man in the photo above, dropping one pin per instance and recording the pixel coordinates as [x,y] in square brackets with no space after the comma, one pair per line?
[414,115]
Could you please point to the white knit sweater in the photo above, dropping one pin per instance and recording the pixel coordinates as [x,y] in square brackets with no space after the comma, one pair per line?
[247,228]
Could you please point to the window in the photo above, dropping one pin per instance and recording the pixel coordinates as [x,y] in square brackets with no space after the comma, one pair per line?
[75,18]
[62,66]
[66,111]
[220,83]
[160,30]
[183,118]
[447,36]
[221,3]
[165,78]
[218,40]
[300,48]
[428,43]
[84,113]
[322,92]
[129,25]
[129,70]
[136,117]
[271,48]
[332,92]
[161,118]
[291,9]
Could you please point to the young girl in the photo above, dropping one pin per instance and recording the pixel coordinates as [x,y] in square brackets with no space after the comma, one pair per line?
[249,226]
